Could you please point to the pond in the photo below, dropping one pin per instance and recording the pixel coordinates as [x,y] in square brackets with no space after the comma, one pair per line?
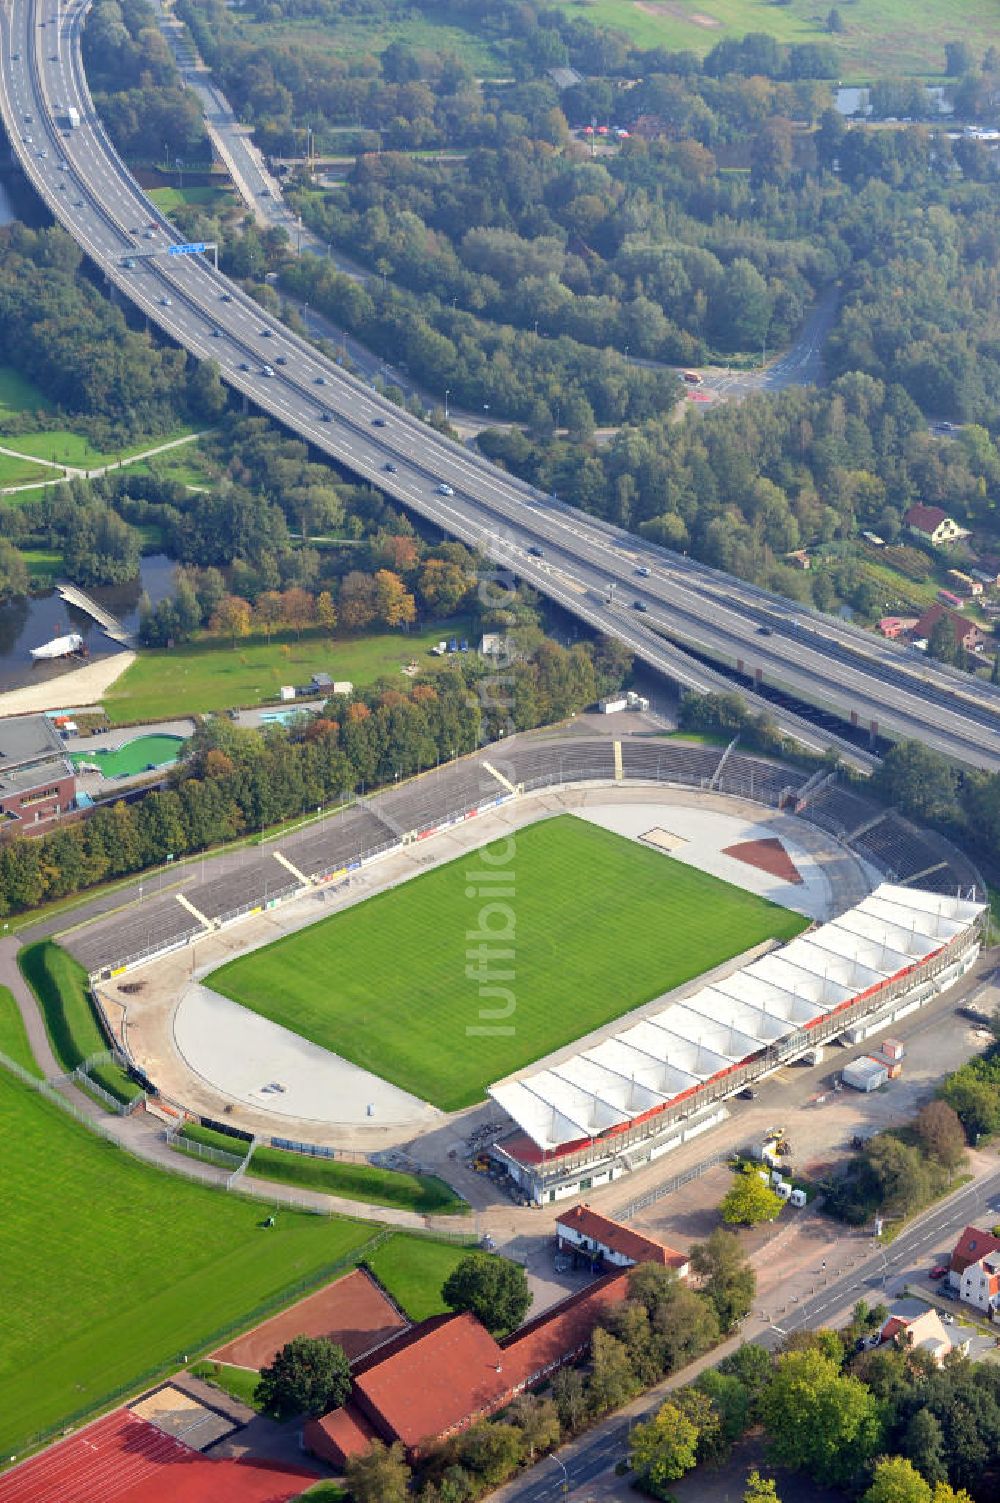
[36,619]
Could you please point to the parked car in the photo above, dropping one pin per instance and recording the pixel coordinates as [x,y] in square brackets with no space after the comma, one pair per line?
[748,1093]
[938,1271]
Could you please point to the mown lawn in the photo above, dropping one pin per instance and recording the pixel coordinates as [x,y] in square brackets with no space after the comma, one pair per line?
[360,37]
[14,471]
[881,38]
[211,674]
[413,1270]
[66,447]
[215,200]
[60,985]
[13,1037]
[596,926]
[113,1269]
[18,394]
[381,1187]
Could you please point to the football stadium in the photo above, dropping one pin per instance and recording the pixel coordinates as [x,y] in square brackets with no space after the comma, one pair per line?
[605,938]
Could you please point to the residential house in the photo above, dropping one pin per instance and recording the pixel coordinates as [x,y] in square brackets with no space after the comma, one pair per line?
[897,626]
[920,1330]
[968,634]
[932,525]
[611,1244]
[980,1284]
[971,1246]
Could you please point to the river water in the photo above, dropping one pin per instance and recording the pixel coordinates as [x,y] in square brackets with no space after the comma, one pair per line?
[29,622]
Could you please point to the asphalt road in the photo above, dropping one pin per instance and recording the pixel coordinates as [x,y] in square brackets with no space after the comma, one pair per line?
[935,1231]
[567,555]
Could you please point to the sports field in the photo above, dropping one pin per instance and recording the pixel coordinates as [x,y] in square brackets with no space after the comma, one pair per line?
[599,926]
[111,1267]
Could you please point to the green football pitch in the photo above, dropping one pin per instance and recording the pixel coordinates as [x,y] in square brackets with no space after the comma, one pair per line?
[598,924]
[111,1268]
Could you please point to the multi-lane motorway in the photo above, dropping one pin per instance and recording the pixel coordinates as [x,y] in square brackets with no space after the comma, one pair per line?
[567,555]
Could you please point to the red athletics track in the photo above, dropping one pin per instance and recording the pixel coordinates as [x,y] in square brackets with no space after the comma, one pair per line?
[122,1459]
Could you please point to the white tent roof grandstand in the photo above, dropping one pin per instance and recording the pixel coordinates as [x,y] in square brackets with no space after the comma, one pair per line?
[672,1051]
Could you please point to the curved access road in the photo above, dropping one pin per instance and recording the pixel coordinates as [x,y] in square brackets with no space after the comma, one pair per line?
[663,606]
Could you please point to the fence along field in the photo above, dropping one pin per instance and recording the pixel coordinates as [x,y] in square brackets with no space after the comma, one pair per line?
[602,926]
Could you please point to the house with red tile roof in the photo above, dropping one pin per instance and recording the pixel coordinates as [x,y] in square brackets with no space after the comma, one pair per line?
[614,1245]
[922,1332]
[980,1284]
[972,1245]
[445,1374]
[968,635]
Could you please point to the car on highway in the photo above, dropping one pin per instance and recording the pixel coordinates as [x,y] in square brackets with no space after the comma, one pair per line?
[244,365]
[389,467]
[535,551]
[642,571]
[215,333]
[267,333]
[764,631]
[43,152]
[938,1271]
[319,380]
[639,605]
[15,57]
[63,166]
[281,360]
[129,263]
[325,417]
[445,490]
[30,119]
[378,422]
[225,297]
[166,302]
[267,370]
[149,234]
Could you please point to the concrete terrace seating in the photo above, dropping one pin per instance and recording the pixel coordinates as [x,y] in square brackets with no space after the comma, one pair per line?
[670,761]
[353,836]
[563,762]
[441,795]
[258,882]
[155,924]
[763,782]
[839,810]
[897,849]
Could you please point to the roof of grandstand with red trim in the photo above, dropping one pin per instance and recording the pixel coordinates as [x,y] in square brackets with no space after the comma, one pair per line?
[669,1056]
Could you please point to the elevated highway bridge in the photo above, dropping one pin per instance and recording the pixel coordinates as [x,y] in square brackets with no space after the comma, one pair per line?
[674,614]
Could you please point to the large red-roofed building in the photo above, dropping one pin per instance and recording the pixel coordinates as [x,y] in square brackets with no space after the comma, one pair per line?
[449,1372]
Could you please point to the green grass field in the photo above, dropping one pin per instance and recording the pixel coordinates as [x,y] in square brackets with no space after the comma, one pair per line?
[60,985]
[112,1268]
[65,447]
[15,471]
[880,38]
[351,37]
[13,1037]
[602,926]
[210,674]
[413,1270]
[380,1187]
[239,1382]
[219,200]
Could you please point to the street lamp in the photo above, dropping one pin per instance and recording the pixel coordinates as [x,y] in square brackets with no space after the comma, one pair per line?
[447,394]
[559,1462]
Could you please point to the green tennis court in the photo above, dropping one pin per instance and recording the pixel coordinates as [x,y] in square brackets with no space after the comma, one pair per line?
[144,754]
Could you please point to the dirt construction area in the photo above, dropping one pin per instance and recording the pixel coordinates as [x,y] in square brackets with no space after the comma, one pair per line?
[353,1311]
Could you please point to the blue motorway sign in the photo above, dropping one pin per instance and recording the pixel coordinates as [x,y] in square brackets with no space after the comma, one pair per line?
[194,249]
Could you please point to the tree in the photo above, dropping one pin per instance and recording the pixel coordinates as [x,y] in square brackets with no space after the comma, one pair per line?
[684,1326]
[538,1421]
[232,617]
[818,1421]
[393,602]
[943,643]
[923,1444]
[896,1481]
[942,1134]
[918,780]
[663,1449]
[494,1289]
[612,1380]
[326,611]
[958,59]
[380,1475]
[309,1375]
[750,1201]
[760,1489]
[357,601]
[269,611]
[834,22]
[727,1278]
[298,608]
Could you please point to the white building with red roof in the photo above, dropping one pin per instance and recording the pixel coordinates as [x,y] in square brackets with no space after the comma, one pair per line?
[613,1245]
